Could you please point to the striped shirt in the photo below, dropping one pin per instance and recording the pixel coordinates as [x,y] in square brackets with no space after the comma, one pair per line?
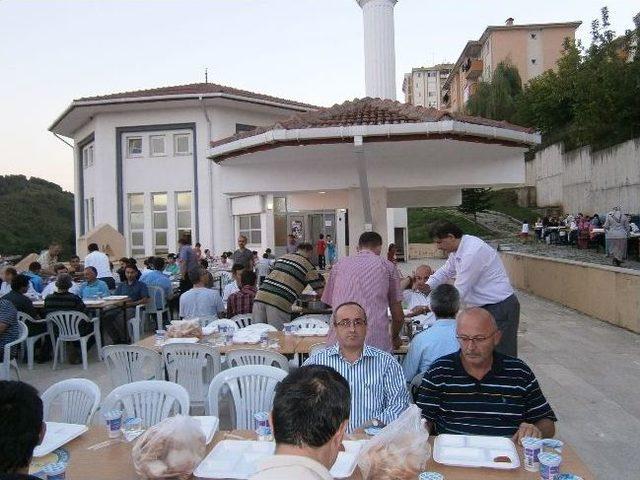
[455,402]
[378,389]
[374,283]
[9,318]
[290,275]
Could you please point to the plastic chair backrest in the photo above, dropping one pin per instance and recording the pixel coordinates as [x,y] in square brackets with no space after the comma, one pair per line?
[158,302]
[261,327]
[312,321]
[251,356]
[67,323]
[242,320]
[78,399]
[25,317]
[192,366]
[23,332]
[131,363]
[252,389]
[150,400]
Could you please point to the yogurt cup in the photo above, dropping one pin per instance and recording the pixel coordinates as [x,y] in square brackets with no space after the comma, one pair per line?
[113,418]
[56,471]
[568,476]
[430,476]
[289,328]
[261,419]
[532,447]
[223,328]
[264,434]
[552,445]
[549,465]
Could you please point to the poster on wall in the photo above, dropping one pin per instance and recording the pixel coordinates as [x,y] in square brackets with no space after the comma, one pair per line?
[296,229]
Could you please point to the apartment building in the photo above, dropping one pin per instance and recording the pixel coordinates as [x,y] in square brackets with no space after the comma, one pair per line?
[423,85]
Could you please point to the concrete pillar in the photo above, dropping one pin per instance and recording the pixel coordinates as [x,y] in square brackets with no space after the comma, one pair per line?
[357,225]
[379,48]
[223,233]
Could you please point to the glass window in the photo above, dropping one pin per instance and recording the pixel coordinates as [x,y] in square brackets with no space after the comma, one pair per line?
[156,145]
[134,146]
[184,201]
[184,219]
[181,144]
[245,222]
[137,220]
[250,227]
[136,224]
[159,202]
[159,220]
[183,214]
[159,207]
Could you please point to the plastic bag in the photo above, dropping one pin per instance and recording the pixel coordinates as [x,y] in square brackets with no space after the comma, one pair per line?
[171,449]
[184,328]
[400,451]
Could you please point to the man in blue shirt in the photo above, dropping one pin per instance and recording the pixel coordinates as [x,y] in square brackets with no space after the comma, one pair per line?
[93,287]
[34,275]
[155,278]
[439,339]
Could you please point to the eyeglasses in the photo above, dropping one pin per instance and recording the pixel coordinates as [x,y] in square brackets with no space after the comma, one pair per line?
[358,322]
[477,339]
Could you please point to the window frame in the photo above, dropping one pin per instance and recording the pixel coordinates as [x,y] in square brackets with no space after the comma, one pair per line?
[176,136]
[160,249]
[180,231]
[137,250]
[164,146]
[248,232]
[129,153]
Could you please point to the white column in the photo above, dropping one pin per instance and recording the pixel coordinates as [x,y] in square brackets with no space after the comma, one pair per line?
[379,48]
[357,223]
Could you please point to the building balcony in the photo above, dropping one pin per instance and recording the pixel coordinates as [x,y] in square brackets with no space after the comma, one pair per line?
[473,69]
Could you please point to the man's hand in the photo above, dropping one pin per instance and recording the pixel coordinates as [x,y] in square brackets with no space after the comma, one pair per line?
[422,287]
[419,310]
[397,342]
[526,430]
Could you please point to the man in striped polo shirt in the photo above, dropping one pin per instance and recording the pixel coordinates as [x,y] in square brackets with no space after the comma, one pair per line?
[477,391]
[290,275]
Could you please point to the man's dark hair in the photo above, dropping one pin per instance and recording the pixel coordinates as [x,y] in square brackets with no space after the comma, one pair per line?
[236,267]
[442,229]
[59,266]
[93,247]
[74,257]
[198,244]
[19,282]
[11,270]
[321,236]
[195,275]
[445,301]
[268,250]
[131,266]
[148,262]
[158,263]
[184,241]
[21,413]
[204,263]
[171,255]
[35,267]
[124,260]
[305,247]
[64,282]
[370,240]
[248,277]
[93,269]
[265,255]
[309,406]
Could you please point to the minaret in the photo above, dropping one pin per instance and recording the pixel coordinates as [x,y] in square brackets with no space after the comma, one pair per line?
[379,48]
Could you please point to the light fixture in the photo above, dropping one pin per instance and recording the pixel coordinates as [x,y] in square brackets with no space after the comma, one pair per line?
[322,193]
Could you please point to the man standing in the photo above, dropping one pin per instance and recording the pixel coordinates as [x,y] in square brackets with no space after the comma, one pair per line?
[100,262]
[188,263]
[481,280]
[48,258]
[309,418]
[321,246]
[243,256]
[373,282]
[291,273]
[378,390]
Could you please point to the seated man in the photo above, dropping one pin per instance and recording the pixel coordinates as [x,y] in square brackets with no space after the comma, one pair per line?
[93,287]
[242,302]
[5,285]
[9,329]
[171,268]
[51,286]
[439,340]
[22,429]
[476,391]
[113,323]
[155,277]
[378,390]
[415,297]
[17,296]
[233,287]
[75,266]
[200,301]
[34,275]
[309,418]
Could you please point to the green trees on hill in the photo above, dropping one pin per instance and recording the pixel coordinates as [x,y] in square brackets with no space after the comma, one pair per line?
[34,213]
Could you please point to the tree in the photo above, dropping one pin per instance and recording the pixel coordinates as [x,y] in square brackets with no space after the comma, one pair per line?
[497,99]
[474,201]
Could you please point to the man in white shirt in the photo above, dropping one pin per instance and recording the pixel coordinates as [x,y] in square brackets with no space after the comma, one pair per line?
[481,280]
[7,278]
[263,268]
[233,287]
[309,418]
[200,301]
[51,286]
[100,262]
[416,300]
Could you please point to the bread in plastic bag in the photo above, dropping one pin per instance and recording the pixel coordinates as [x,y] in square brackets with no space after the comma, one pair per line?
[171,449]
[400,451]
[184,329]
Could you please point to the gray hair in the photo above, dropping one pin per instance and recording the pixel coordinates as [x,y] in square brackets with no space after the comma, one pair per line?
[64,281]
[445,301]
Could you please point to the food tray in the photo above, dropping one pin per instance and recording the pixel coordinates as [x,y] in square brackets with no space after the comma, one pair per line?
[209,425]
[475,451]
[57,435]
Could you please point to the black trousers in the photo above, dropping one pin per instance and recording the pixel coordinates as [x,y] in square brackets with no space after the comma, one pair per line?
[322,263]
[507,315]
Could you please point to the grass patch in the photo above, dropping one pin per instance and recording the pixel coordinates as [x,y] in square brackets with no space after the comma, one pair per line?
[506,201]
[420,221]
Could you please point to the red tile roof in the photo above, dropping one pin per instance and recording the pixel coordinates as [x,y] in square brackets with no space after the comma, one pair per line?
[368,111]
[194,89]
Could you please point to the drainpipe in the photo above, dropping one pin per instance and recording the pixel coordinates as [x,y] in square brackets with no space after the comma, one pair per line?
[209,169]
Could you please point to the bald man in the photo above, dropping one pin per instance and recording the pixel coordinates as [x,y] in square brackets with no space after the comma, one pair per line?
[478,391]
[416,298]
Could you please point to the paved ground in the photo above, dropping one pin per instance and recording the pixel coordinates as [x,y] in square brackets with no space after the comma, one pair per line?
[588,370]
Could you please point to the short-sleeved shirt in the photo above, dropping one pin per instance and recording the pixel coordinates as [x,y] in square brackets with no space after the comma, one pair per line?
[242,257]
[135,291]
[290,275]
[428,346]
[94,289]
[22,303]
[241,302]
[200,302]
[455,402]
[46,260]
[158,279]
[188,258]
[321,246]
[64,301]
[36,281]
[8,317]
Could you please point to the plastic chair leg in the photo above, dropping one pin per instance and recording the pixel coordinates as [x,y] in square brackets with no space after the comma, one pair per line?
[83,348]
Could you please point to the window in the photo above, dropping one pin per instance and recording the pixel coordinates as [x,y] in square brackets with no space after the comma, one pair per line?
[431,74]
[249,226]
[156,145]
[134,146]
[136,224]
[92,213]
[183,214]
[159,207]
[181,144]
[87,156]
[241,127]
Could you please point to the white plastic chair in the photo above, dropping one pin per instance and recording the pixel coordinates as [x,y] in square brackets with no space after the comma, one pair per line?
[31,340]
[78,398]
[150,400]
[261,327]
[254,356]
[318,347]
[193,366]
[242,320]
[157,305]
[224,321]
[7,361]
[68,331]
[132,363]
[312,321]
[252,389]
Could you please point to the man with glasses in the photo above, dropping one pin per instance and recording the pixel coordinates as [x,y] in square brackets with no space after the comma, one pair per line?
[477,391]
[378,390]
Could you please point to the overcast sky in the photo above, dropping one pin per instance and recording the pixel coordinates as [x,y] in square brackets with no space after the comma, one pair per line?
[52,51]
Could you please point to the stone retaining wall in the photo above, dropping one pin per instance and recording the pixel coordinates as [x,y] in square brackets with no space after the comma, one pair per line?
[424,250]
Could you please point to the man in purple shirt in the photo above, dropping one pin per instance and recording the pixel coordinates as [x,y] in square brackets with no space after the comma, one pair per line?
[188,262]
[373,282]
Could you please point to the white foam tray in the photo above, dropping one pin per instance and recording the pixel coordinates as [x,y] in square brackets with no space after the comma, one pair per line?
[311,332]
[475,451]
[239,459]
[169,341]
[57,435]
[209,425]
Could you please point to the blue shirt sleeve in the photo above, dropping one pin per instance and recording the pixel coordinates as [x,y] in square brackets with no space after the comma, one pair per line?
[144,290]
[411,363]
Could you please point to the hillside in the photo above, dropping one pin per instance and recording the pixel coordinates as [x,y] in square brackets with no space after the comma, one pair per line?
[34,213]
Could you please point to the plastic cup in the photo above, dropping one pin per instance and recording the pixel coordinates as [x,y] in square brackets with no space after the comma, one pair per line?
[288,328]
[161,336]
[223,328]
[430,476]
[56,471]
[532,448]
[113,418]
[549,465]
[264,339]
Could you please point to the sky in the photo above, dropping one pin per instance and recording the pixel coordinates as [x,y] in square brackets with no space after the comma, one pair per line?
[52,51]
